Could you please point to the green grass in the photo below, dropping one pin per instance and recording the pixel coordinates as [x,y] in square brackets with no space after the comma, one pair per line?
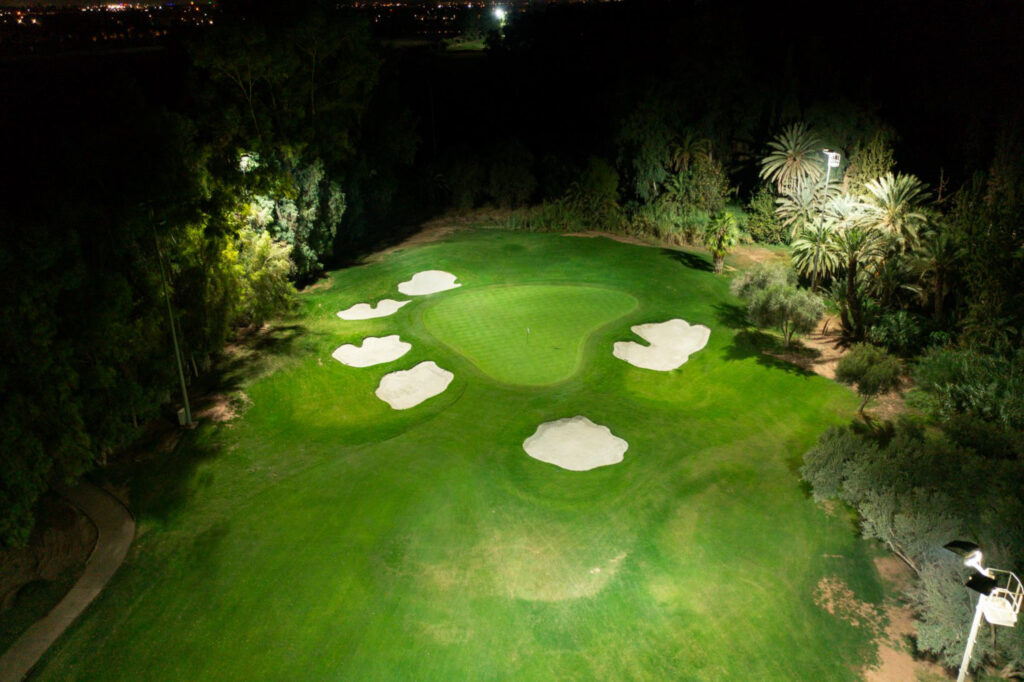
[531,335]
[323,536]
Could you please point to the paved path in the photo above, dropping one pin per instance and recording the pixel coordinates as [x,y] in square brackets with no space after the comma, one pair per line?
[115,531]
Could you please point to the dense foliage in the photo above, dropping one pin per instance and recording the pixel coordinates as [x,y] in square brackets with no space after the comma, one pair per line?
[915,490]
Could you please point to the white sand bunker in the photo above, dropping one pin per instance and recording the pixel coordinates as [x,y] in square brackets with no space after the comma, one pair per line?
[409,388]
[365,311]
[374,351]
[576,444]
[428,282]
[671,344]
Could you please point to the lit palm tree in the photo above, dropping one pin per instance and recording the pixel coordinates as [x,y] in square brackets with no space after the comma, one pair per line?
[721,236]
[815,254]
[795,159]
[858,247]
[896,204]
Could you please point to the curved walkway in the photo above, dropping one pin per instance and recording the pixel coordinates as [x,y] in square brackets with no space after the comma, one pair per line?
[115,531]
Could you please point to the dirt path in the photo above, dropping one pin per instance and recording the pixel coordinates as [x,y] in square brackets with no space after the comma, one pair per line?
[115,531]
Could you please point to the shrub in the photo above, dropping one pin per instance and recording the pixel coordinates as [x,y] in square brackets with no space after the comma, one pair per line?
[899,332]
[872,369]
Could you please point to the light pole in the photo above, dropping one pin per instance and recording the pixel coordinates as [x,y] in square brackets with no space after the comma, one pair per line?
[833,162]
[999,596]
[500,15]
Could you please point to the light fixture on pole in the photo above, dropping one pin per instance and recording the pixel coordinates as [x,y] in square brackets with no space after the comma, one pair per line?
[833,162]
[999,596]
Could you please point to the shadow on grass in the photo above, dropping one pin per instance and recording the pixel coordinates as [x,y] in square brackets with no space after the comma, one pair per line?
[159,466]
[762,347]
[731,315]
[163,484]
[689,260]
[252,355]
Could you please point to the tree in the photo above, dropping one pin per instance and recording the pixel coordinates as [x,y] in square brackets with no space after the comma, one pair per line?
[868,162]
[773,300]
[749,282]
[721,236]
[872,369]
[762,223]
[787,308]
[934,263]
[803,207]
[794,159]
[306,217]
[895,206]
[815,254]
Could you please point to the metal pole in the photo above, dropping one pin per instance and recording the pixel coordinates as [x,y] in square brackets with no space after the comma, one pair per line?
[174,333]
[970,641]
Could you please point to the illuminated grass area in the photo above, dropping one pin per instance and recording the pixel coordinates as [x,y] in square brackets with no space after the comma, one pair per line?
[530,335]
[323,535]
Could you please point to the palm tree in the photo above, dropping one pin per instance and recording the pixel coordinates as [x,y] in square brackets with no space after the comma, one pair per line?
[815,254]
[896,205]
[794,160]
[722,234]
[684,151]
[934,263]
[801,208]
[858,247]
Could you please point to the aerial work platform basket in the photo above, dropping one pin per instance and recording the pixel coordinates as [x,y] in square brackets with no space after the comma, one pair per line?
[1002,604]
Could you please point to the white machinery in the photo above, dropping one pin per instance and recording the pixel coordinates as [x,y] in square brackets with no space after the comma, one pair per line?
[999,596]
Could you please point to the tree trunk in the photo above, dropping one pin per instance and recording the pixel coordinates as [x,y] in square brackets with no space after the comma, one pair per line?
[853,302]
[938,297]
[718,262]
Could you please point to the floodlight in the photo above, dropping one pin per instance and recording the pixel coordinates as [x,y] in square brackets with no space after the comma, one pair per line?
[999,597]
[499,12]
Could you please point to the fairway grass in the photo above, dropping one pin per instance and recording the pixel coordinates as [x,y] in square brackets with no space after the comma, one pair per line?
[324,536]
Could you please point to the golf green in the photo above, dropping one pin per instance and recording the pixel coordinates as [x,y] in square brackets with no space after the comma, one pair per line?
[530,335]
[321,535]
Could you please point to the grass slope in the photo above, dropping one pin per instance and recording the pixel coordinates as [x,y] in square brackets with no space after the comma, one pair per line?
[324,536]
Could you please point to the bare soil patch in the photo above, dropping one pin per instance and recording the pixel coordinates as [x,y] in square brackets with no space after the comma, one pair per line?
[819,351]
[835,596]
[896,662]
[614,236]
[745,256]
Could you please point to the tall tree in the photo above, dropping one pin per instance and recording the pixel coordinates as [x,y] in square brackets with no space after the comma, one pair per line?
[795,159]
[815,254]
[895,206]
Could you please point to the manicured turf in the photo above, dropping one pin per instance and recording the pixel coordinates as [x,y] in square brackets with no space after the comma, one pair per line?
[324,536]
[530,335]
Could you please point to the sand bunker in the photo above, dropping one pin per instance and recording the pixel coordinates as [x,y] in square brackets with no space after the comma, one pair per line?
[409,388]
[365,311]
[576,444]
[374,351]
[428,282]
[671,344]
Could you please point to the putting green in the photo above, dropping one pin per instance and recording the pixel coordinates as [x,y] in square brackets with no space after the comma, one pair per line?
[322,535]
[526,335]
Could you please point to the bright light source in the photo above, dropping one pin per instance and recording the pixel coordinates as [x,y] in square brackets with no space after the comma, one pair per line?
[973,560]
[833,158]
[248,162]
[499,13]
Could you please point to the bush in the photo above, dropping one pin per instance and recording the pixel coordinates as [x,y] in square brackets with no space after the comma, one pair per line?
[899,332]
[872,369]
[989,387]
